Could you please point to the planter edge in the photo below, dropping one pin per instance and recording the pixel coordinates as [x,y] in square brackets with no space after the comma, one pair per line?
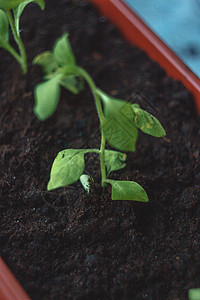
[10,289]
[138,33]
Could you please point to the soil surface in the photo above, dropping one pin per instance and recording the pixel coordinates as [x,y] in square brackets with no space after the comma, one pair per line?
[66,244]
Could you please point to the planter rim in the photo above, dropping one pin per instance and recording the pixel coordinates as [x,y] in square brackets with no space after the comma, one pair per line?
[10,289]
[139,34]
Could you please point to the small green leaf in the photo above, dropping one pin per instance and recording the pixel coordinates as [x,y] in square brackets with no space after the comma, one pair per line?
[147,123]
[47,61]
[67,168]
[19,9]
[194,294]
[46,98]
[63,51]
[114,160]
[127,190]
[72,83]
[118,125]
[135,105]
[4,29]
[85,181]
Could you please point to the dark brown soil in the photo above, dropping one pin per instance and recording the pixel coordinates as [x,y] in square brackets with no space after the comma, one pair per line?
[65,244]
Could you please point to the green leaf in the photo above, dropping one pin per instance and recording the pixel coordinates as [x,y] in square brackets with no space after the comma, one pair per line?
[118,125]
[63,51]
[72,83]
[194,294]
[147,123]
[47,61]
[135,105]
[85,181]
[9,4]
[12,4]
[46,98]
[19,9]
[4,29]
[67,168]
[114,160]
[127,190]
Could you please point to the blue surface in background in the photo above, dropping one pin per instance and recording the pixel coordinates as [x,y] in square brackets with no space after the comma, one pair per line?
[177,23]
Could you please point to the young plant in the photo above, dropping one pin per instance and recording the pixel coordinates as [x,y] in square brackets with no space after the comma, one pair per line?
[59,67]
[10,12]
[119,123]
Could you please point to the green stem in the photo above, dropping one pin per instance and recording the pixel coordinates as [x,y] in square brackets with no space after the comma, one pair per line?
[102,159]
[93,88]
[19,42]
[14,54]
[91,151]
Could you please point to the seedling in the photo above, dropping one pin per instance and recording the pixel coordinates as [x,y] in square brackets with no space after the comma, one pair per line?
[10,13]
[60,69]
[119,123]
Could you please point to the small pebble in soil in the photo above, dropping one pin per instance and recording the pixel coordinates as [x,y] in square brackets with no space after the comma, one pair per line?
[103,19]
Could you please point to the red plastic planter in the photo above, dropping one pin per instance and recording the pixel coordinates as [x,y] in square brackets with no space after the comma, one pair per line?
[139,34]
[10,288]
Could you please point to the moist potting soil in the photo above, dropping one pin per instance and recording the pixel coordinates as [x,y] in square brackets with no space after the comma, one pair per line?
[67,244]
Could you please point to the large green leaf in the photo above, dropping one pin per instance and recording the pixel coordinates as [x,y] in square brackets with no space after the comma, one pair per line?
[19,9]
[72,83]
[46,98]
[67,168]
[118,125]
[114,160]
[127,190]
[63,51]
[147,123]
[4,29]
[47,61]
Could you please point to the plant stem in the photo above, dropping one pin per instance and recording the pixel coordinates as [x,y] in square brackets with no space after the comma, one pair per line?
[93,88]
[14,54]
[91,151]
[102,159]
[19,42]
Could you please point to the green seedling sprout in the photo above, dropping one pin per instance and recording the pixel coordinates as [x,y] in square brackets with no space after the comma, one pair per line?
[60,69]
[10,13]
[119,123]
